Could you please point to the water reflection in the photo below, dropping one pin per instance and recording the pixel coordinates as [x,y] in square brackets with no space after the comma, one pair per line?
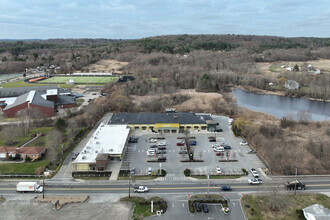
[282,106]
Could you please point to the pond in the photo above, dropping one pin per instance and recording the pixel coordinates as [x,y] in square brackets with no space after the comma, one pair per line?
[283,106]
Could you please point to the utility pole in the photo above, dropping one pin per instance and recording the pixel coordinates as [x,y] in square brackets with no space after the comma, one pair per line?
[129,182]
[295,182]
[208,185]
[43,188]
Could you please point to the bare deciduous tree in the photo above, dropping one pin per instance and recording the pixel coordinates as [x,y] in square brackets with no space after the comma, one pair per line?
[53,140]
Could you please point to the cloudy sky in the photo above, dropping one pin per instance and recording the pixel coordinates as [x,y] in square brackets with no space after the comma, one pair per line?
[128,19]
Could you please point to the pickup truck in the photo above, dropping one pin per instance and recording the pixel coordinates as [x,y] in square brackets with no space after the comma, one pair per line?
[141,189]
[291,185]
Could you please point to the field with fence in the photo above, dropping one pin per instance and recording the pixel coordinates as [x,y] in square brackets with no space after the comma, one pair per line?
[80,80]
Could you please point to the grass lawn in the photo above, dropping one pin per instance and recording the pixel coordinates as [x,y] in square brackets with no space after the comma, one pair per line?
[22,140]
[79,79]
[142,207]
[216,177]
[257,206]
[21,83]
[21,168]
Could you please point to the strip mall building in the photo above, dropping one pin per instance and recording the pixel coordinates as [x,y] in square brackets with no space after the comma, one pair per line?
[165,122]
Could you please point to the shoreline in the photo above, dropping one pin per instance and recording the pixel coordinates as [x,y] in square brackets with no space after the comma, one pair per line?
[278,93]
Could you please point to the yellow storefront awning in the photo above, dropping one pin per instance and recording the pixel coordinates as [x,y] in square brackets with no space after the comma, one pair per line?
[167,125]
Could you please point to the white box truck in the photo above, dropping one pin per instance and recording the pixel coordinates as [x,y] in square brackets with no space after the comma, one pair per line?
[29,187]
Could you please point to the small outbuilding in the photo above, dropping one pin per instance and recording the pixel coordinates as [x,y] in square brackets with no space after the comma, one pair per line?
[316,212]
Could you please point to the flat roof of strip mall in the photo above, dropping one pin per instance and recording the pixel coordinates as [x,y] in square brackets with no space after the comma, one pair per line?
[153,118]
[107,139]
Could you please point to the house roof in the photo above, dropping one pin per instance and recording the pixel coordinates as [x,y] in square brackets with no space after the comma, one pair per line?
[62,100]
[316,211]
[32,97]
[31,150]
[17,91]
[22,150]
[153,118]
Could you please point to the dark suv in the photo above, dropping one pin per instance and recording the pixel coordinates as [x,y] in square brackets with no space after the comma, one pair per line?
[197,206]
[225,188]
[205,207]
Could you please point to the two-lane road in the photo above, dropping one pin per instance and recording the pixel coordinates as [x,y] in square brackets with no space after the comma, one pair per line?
[159,188]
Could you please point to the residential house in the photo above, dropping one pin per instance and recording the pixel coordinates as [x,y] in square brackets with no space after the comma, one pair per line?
[32,152]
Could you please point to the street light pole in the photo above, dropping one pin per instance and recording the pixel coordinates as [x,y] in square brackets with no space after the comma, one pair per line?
[295,182]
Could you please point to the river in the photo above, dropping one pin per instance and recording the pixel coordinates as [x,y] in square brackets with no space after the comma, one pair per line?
[283,106]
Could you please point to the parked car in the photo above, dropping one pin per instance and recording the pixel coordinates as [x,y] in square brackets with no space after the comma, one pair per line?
[255,173]
[218,170]
[149,171]
[152,140]
[212,139]
[193,142]
[219,149]
[251,152]
[180,143]
[226,147]
[205,207]
[244,143]
[218,130]
[183,152]
[254,182]
[133,171]
[215,145]
[161,151]
[153,147]
[197,206]
[161,148]
[219,154]
[226,188]
[162,143]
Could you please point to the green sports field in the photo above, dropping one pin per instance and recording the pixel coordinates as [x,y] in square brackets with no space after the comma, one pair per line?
[80,80]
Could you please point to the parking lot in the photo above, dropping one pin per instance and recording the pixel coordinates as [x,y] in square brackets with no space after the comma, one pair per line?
[136,154]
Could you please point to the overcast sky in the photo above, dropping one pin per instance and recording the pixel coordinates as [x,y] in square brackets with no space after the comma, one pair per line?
[128,19]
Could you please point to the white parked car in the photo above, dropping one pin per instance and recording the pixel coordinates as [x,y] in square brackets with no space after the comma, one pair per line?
[254,181]
[254,173]
[219,149]
[244,143]
[218,170]
[163,143]
[152,140]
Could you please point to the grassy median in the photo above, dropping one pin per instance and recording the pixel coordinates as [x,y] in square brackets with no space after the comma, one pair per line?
[142,206]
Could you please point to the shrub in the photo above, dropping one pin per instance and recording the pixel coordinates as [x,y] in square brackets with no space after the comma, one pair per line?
[187,172]
[245,171]
[27,159]
[40,170]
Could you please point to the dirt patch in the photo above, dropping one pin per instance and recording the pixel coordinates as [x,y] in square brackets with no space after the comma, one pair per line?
[60,201]
[100,209]
[107,66]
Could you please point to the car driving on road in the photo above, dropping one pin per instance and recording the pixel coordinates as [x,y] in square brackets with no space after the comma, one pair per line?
[225,188]
[254,181]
